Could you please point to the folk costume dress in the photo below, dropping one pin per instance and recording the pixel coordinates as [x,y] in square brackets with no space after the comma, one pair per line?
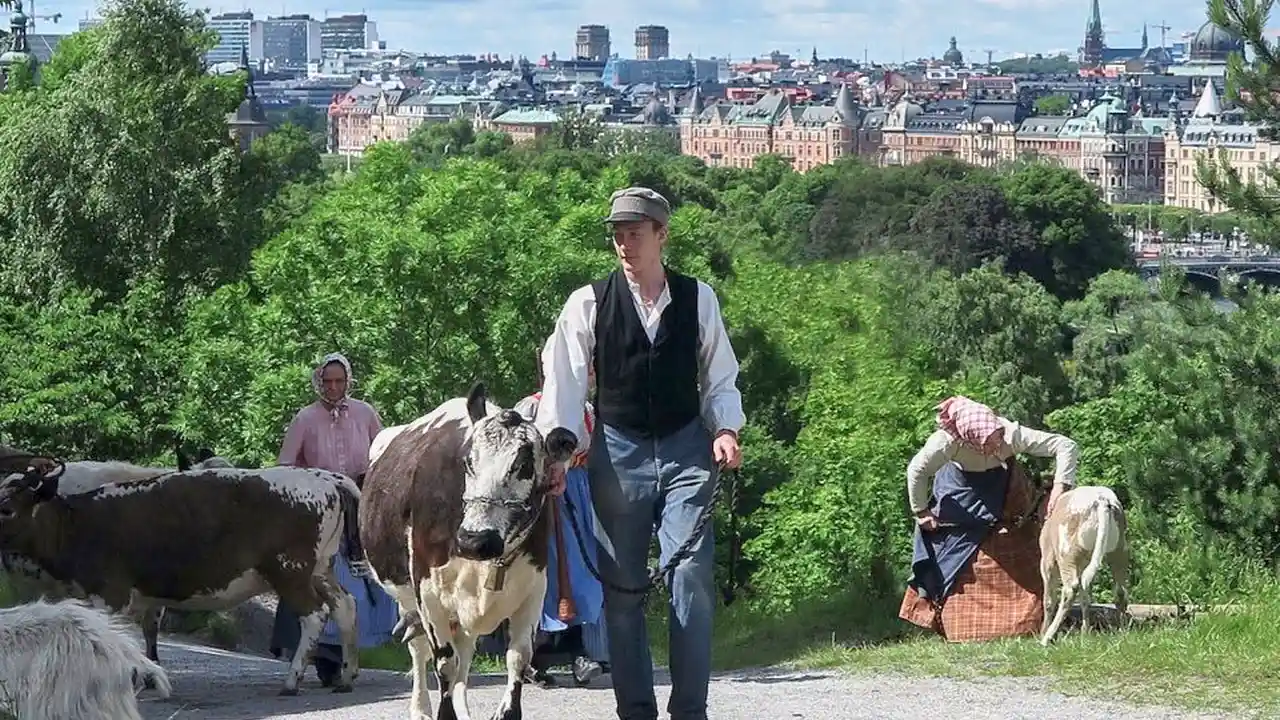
[585,589]
[336,439]
[978,576]
[665,384]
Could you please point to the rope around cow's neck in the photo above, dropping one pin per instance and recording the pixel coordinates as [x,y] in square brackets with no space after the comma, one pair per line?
[681,554]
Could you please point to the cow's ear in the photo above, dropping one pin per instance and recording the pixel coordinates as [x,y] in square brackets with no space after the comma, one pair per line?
[477,401]
[184,462]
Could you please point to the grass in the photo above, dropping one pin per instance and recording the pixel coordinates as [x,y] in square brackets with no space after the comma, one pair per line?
[1219,661]
[1214,661]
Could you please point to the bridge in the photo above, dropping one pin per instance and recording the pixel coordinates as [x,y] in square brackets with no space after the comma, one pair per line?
[1203,271]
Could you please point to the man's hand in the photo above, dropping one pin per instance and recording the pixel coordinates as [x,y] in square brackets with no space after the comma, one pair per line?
[555,477]
[725,450]
[1054,494]
[926,520]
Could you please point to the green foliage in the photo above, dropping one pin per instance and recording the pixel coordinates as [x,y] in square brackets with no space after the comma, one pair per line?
[124,166]
[1178,222]
[1039,65]
[159,284]
[1053,105]
[1253,87]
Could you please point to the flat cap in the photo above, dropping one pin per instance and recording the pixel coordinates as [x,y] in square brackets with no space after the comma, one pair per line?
[638,203]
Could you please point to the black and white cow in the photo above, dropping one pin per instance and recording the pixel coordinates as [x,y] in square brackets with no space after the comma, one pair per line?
[204,539]
[29,579]
[453,526]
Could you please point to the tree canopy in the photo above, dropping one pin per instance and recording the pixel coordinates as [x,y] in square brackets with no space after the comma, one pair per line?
[161,286]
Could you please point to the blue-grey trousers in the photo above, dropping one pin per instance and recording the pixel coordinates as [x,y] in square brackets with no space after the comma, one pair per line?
[638,486]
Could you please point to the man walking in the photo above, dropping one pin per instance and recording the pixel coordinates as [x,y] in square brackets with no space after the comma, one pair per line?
[668,411]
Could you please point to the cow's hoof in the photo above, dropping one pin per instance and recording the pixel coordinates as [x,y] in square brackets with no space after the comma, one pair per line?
[288,692]
[343,687]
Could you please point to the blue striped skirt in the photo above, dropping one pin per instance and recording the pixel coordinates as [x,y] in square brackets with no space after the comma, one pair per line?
[376,614]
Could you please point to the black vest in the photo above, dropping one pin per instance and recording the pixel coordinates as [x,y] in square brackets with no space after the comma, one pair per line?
[649,390]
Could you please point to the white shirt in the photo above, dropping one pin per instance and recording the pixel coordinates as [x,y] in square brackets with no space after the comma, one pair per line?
[570,350]
[941,449]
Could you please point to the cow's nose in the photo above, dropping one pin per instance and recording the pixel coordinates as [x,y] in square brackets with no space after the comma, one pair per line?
[482,545]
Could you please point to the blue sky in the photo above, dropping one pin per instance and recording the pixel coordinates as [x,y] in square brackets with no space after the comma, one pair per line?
[737,29]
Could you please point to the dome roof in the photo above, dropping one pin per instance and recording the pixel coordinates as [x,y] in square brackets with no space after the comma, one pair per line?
[1214,44]
[953,54]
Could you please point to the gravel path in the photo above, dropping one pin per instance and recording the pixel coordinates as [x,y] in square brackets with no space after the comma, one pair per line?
[212,684]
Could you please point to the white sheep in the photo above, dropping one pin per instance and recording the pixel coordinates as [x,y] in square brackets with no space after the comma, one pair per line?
[1087,525]
[69,661]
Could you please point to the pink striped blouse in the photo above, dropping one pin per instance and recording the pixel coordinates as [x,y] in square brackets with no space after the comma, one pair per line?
[316,439]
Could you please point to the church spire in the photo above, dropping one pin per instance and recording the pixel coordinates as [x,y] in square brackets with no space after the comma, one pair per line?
[1094,38]
[249,90]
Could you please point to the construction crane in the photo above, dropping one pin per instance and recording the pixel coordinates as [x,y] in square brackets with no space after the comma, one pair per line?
[1163,29]
[32,16]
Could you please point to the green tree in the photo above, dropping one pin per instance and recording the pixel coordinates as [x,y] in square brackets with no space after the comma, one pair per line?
[126,165]
[1053,105]
[1077,236]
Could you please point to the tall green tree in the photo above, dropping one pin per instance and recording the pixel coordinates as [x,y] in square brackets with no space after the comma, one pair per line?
[126,165]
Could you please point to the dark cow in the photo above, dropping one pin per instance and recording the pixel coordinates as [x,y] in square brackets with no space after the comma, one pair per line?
[453,507]
[30,580]
[205,539]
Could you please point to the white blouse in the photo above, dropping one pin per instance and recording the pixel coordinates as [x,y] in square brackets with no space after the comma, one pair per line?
[941,448]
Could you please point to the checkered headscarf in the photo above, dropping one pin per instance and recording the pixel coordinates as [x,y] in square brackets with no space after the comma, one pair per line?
[968,421]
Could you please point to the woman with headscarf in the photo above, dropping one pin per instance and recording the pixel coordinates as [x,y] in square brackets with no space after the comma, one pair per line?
[334,433]
[976,565]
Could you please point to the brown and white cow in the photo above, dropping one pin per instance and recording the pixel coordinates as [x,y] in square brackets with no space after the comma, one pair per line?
[453,526]
[30,580]
[205,539]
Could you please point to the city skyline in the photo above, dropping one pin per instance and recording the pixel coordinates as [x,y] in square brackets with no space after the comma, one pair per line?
[705,28]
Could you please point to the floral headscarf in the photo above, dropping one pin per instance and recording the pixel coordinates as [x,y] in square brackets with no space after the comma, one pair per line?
[968,421]
[317,383]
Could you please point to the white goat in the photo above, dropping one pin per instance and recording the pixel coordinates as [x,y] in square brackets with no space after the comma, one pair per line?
[1087,525]
[68,661]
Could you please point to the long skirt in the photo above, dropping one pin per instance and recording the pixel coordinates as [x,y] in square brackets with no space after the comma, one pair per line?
[999,593]
[376,616]
[586,591]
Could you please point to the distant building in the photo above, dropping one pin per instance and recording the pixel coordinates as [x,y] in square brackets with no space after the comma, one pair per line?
[592,43]
[1219,134]
[367,114]
[235,31]
[726,135]
[348,32]
[289,42]
[652,42]
[953,56]
[1110,145]
[621,72]
[1207,55]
